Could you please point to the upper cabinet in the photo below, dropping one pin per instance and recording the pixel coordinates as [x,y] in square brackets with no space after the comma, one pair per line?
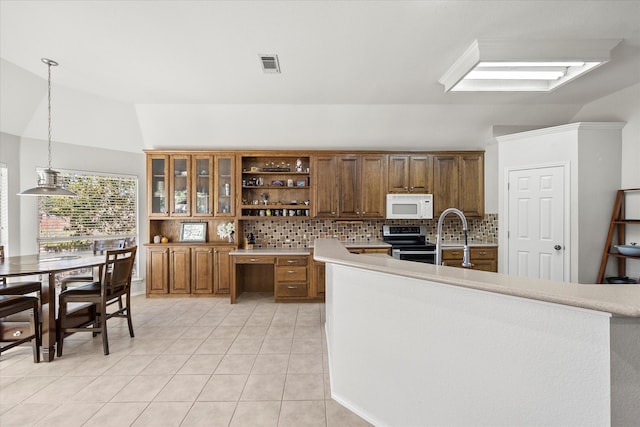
[275,186]
[331,185]
[157,185]
[458,181]
[410,173]
[349,186]
[361,184]
[190,185]
[168,185]
[325,190]
[225,185]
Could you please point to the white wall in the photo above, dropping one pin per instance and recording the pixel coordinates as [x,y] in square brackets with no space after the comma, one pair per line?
[623,106]
[10,155]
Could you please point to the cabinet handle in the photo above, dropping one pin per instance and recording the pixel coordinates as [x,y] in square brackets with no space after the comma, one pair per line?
[455,253]
[406,188]
[292,287]
[333,213]
[253,259]
[357,212]
[292,261]
[482,252]
[291,271]
[412,188]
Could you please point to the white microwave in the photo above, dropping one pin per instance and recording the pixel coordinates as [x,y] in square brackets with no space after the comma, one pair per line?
[409,206]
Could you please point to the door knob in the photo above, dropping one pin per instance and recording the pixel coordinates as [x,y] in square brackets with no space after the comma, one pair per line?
[557,247]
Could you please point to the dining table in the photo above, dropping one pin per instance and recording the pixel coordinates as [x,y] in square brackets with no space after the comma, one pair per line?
[49,265]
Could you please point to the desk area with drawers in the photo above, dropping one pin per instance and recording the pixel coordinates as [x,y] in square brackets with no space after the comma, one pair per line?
[285,272]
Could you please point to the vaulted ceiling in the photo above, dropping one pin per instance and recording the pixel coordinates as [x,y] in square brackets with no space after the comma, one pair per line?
[363,74]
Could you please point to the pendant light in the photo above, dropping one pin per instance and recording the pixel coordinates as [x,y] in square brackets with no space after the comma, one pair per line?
[48,178]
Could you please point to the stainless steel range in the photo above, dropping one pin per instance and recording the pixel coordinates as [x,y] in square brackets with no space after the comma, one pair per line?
[408,242]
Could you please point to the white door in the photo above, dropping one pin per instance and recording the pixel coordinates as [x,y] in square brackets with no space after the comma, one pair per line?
[536,202]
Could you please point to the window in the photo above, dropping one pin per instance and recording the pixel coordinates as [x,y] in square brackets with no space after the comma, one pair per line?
[105,209]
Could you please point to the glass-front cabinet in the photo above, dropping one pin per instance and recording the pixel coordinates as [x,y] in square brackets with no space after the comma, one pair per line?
[179,199]
[202,185]
[157,185]
[225,200]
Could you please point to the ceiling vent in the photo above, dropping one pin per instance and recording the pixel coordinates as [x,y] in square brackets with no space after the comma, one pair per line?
[269,63]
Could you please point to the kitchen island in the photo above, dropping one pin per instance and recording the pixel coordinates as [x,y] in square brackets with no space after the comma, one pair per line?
[414,344]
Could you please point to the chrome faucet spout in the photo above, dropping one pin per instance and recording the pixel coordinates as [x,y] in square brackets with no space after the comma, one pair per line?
[466,257]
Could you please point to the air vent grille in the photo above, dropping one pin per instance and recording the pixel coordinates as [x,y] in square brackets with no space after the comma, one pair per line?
[269,63]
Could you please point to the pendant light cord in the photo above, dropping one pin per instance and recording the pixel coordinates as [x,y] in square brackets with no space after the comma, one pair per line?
[49,109]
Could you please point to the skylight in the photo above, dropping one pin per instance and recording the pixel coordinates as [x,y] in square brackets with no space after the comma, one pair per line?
[525,66]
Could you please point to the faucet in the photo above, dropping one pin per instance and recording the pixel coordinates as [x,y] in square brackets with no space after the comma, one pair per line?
[466,257]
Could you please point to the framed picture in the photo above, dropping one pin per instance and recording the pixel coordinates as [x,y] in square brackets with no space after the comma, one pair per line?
[193,232]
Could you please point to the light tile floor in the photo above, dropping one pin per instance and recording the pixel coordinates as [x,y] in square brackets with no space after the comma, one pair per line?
[194,361]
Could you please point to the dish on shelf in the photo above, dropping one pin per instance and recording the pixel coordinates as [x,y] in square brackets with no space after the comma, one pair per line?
[629,250]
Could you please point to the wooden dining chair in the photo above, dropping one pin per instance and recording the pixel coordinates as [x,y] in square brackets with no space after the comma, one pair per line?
[14,332]
[114,284]
[98,247]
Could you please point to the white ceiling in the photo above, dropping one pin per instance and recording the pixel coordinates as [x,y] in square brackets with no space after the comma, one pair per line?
[356,73]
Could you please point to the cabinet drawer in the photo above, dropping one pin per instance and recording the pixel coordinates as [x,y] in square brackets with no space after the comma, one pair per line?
[293,260]
[476,253]
[291,290]
[291,274]
[484,253]
[254,259]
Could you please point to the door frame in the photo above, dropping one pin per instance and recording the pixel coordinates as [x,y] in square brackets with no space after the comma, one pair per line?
[566,168]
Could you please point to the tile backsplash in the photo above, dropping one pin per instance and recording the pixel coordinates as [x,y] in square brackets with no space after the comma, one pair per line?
[298,233]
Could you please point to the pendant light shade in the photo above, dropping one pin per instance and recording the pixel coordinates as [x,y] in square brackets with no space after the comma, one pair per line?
[48,179]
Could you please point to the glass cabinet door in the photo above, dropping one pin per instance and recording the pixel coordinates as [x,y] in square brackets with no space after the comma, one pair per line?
[225,199]
[179,172]
[203,185]
[158,185]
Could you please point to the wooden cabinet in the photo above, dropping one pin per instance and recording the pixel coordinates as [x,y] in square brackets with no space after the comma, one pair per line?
[190,185]
[157,278]
[276,187]
[410,173]
[225,178]
[184,270]
[458,182]
[222,282]
[362,186]
[482,258]
[202,270]
[385,251]
[290,279]
[325,189]
[157,185]
[168,270]
[179,270]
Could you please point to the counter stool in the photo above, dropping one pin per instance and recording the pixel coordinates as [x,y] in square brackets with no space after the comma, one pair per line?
[13,332]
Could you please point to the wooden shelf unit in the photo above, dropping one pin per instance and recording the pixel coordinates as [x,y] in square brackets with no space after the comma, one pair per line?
[617,227]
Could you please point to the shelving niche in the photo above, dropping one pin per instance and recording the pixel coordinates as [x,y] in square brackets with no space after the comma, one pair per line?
[277,187]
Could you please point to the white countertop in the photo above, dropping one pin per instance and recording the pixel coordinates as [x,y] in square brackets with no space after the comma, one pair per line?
[616,299]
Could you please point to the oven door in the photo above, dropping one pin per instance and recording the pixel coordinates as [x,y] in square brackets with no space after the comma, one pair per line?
[416,255]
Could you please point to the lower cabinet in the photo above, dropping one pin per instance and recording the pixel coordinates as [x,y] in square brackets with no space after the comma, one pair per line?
[179,270]
[483,258]
[291,278]
[186,270]
[222,282]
